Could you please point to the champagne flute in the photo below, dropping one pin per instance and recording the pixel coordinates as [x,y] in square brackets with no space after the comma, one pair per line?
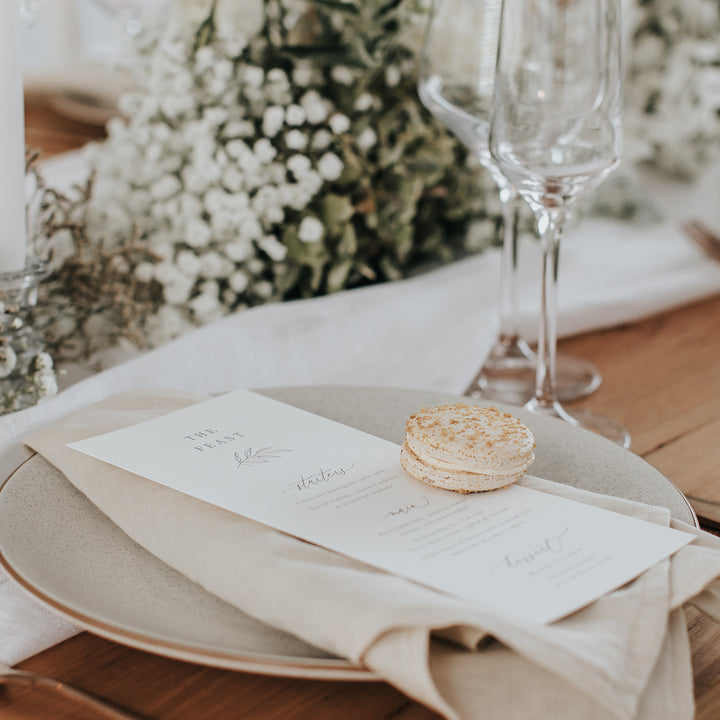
[455,82]
[556,132]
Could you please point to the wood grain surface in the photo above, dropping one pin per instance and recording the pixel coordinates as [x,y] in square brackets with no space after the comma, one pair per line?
[661,379]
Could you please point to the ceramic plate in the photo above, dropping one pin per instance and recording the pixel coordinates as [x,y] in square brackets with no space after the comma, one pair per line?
[56,544]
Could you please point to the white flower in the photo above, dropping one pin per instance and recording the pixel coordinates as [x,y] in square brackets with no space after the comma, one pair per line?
[233,179]
[277,87]
[188,262]
[264,151]
[144,271]
[255,266]
[294,115]
[45,384]
[263,289]
[314,106]
[215,200]
[239,281]
[177,288]
[167,323]
[204,58]
[311,230]
[273,119]
[330,166]
[310,183]
[198,234]
[214,265]
[299,165]
[228,298]
[8,360]
[238,250]
[321,139]
[274,173]
[253,75]
[43,362]
[198,178]
[303,73]
[223,224]
[250,228]
[164,250]
[234,45]
[364,102]
[367,139]
[190,207]
[238,128]
[296,140]
[128,104]
[273,215]
[339,123]
[273,247]
[165,187]
[213,117]
[392,75]
[223,70]
[277,76]
[175,105]
[342,75]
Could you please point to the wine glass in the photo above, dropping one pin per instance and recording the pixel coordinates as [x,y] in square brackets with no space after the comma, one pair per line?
[455,82]
[556,132]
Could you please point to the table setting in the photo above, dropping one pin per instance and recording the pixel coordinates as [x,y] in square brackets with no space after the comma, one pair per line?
[133,568]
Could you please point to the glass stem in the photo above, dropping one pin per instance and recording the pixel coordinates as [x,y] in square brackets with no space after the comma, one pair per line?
[509,265]
[550,224]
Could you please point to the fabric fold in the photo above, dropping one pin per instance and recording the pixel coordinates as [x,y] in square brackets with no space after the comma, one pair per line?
[604,659]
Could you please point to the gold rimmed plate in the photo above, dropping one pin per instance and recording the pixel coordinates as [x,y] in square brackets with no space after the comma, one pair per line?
[70,556]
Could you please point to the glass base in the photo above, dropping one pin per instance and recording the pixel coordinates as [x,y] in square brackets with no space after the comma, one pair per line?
[508,374]
[26,374]
[607,427]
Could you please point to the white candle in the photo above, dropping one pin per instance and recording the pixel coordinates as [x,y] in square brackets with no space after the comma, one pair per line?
[13,233]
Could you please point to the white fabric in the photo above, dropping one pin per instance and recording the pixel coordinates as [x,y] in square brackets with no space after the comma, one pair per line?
[429,332]
[626,656]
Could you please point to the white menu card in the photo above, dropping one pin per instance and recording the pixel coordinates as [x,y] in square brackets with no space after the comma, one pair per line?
[515,551]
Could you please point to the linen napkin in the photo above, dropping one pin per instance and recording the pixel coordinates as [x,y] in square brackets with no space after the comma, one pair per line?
[625,656]
[429,332]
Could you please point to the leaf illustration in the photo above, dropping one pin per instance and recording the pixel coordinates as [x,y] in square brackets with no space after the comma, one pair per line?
[260,456]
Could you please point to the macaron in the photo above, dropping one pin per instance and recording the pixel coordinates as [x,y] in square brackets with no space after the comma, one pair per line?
[466,448]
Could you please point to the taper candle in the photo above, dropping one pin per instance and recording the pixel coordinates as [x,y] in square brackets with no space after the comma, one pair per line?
[13,231]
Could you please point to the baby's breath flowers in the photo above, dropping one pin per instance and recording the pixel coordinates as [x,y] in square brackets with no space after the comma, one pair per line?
[672,93]
[37,383]
[276,149]
[291,162]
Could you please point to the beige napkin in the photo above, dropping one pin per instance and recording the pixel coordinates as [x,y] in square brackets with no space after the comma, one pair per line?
[625,656]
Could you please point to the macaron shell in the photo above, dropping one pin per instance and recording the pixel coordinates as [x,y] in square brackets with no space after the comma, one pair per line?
[476,438]
[518,465]
[458,481]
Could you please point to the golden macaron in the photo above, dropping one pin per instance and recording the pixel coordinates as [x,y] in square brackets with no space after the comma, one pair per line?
[466,448]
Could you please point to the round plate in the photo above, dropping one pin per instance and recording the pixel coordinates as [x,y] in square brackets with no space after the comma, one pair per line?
[69,555]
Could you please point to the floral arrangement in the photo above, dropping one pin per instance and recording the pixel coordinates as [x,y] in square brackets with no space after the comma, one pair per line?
[34,384]
[289,162]
[672,89]
[276,149]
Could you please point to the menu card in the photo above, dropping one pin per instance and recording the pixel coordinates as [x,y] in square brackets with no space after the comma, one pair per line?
[515,551]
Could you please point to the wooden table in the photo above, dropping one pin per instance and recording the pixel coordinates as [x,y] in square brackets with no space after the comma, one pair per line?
[661,380]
